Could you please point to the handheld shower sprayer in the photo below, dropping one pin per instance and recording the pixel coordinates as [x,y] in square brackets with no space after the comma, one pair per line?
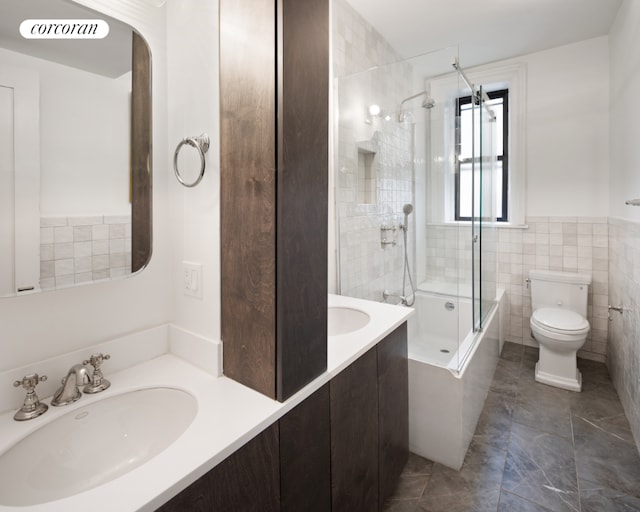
[407,209]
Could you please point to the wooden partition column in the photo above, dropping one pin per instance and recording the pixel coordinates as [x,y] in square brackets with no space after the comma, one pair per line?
[274,83]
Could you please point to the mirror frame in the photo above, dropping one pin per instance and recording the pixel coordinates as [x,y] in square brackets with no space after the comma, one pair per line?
[141,155]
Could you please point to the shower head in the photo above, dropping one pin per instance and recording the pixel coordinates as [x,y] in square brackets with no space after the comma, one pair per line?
[427,102]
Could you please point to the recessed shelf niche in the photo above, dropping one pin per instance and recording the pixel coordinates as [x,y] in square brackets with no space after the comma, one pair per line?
[367,176]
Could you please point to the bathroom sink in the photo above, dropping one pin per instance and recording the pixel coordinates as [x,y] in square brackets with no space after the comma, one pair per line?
[342,320]
[93,444]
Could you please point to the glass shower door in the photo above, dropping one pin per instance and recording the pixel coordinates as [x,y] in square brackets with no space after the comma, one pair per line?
[488,210]
[483,230]
[476,209]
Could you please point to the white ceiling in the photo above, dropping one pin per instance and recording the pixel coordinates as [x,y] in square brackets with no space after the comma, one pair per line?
[486,30]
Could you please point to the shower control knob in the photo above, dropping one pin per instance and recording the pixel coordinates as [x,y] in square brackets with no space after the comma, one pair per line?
[559,303]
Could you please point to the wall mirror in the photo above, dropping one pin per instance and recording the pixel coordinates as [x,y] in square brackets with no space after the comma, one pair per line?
[75,152]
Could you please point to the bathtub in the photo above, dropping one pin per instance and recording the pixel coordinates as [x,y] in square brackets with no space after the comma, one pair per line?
[450,371]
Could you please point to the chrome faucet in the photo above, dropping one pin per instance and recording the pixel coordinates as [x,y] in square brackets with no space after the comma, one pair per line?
[77,376]
[32,406]
[403,300]
[98,382]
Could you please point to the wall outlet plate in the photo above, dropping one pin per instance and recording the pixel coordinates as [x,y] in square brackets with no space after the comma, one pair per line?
[192,279]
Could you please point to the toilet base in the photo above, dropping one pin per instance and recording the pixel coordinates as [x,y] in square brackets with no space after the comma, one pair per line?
[571,383]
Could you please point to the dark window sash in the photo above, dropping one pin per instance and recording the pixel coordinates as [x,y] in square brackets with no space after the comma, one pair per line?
[504,158]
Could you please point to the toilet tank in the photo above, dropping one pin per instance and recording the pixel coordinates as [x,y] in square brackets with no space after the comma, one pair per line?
[552,289]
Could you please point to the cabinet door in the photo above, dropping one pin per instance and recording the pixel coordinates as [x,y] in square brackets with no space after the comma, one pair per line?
[354,436]
[248,481]
[393,415]
[305,464]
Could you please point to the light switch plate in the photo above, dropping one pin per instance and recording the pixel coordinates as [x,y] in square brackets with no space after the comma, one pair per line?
[192,279]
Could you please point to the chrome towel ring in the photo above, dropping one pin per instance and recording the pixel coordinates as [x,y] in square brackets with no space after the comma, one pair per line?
[201,143]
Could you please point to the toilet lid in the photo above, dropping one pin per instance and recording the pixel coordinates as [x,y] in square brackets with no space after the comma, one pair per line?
[560,319]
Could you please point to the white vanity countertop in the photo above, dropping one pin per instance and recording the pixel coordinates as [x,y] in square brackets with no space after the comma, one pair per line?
[229,415]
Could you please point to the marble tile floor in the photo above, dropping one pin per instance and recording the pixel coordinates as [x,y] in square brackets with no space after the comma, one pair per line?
[536,448]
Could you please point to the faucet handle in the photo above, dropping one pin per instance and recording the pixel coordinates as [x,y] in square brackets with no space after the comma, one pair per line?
[98,382]
[96,360]
[29,382]
[32,407]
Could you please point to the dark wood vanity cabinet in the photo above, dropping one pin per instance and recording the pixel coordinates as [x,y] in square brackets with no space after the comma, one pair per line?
[341,449]
[393,409]
[305,456]
[370,426]
[248,481]
[285,468]
[354,436]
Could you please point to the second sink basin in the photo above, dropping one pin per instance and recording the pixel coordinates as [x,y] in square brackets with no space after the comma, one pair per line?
[343,320]
[93,444]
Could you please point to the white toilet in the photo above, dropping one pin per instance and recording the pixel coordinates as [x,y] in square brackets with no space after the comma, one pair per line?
[559,323]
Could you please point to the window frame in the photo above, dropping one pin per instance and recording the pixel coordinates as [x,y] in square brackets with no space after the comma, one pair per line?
[504,158]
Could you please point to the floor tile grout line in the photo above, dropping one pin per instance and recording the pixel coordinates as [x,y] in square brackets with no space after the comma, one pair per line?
[575,458]
[426,485]
[515,400]
[528,500]
[572,445]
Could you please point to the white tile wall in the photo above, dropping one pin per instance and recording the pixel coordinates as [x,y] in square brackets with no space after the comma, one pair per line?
[623,354]
[77,250]
[356,44]
[448,255]
[367,268]
[570,244]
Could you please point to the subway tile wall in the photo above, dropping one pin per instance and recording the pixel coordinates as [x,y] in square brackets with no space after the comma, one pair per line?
[623,356]
[449,265]
[448,256]
[366,267]
[357,46]
[570,244]
[76,250]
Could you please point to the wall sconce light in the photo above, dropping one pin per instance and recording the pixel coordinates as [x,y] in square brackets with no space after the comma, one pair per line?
[373,111]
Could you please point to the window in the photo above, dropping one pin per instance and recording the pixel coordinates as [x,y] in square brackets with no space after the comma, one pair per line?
[465,197]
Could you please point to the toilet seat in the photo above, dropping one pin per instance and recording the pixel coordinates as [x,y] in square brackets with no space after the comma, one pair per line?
[560,321]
